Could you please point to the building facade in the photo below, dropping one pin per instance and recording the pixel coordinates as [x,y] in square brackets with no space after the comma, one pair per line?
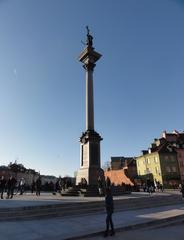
[164,160]
[122,171]
[127,163]
[176,140]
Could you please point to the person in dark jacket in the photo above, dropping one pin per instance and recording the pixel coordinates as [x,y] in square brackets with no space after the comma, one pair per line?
[182,190]
[2,186]
[38,186]
[11,186]
[108,182]
[109,204]
[32,186]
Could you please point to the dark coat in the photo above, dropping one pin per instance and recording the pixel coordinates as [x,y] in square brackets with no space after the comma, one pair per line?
[2,183]
[109,203]
[38,183]
[11,182]
[182,189]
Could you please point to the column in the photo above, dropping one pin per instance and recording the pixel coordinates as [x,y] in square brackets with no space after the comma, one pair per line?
[89,100]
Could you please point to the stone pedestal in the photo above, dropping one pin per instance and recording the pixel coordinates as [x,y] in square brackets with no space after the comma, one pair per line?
[89,158]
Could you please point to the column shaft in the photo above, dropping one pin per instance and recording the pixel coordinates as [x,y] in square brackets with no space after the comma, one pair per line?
[89,100]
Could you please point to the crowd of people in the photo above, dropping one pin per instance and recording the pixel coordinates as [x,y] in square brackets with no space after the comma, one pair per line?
[62,184]
[8,186]
[151,186]
[12,186]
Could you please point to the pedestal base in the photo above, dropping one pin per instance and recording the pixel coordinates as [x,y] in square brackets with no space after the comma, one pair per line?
[89,191]
[90,168]
[90,175]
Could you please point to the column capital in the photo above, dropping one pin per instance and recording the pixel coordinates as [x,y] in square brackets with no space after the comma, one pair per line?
[89,56]
[89,66]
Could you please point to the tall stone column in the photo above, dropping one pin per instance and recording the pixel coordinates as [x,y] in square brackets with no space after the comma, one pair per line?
[89,98]
[90,164]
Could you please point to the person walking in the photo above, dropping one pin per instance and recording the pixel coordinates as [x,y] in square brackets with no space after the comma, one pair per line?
[32,186]
[11,186]
[2,185]
[21,186]
[109,204]
[38,186]
[182,190]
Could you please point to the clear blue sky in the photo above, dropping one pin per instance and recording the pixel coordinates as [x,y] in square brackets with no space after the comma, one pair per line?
[138,83]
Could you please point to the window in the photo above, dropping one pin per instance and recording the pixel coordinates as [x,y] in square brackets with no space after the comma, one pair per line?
[173,169]
[168,169]
[172,158]
[156,170]
[147,161]
[156,159]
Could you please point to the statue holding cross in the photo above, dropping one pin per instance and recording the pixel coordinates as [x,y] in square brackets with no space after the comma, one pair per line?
[89,41]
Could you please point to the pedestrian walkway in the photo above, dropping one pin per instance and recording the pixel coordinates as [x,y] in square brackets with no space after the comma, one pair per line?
[29,199]
[167,231]
[77,226]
